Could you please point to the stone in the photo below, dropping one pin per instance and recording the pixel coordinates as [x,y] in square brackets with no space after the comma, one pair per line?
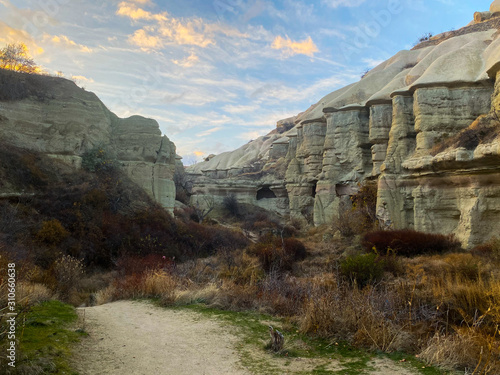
[495,6]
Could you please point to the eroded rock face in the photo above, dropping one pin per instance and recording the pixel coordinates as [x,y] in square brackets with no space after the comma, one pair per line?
[70,121]
[391,127]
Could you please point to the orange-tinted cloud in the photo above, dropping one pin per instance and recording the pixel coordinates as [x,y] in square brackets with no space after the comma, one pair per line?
[128,9]
[141,38]
[164,29]
[290,47]
[65,42]
[187,62]
[10,35]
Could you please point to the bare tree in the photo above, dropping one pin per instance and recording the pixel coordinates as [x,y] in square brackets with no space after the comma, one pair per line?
[202,210]
[16,57]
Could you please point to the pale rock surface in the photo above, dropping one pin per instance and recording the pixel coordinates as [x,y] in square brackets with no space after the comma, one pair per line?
[385,128]
[72,121]
[495,6]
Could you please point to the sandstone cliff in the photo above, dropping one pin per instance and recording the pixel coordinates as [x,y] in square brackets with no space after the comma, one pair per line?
[423,124]
[55,117]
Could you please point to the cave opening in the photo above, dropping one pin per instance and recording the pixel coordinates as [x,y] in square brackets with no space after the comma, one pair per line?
[314,188]
[265,193]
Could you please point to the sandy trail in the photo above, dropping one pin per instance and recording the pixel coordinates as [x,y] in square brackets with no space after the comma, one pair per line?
[136,338]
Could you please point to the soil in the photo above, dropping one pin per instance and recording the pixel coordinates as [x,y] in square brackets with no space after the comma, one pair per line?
[138,338]
[135,338]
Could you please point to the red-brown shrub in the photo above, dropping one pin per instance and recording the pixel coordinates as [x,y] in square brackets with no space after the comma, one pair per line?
[407,242]
[130,265]
[277,254]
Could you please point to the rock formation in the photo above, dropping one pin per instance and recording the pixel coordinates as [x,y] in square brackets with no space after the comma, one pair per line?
[63,121]
[406,124]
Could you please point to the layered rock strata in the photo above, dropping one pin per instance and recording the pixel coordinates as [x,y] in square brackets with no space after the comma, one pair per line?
[389,128]
[69,121]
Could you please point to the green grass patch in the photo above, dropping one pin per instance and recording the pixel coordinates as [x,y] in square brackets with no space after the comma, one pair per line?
[46,338]
[324,357]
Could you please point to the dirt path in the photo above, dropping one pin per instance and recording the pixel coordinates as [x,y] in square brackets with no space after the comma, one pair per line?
[137,338]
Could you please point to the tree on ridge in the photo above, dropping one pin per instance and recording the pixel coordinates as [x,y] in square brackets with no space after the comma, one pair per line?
[16,57]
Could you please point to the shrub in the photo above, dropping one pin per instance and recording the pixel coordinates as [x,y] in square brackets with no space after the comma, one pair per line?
[277,254]
[130,265]
[362,269]
[360,216]
[52,232]
[231,205]
[407,242]
[99,159]
[424,38]
[68,272]
[490,249]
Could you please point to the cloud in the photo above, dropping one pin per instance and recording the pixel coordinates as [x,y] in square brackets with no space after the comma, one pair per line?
[240,109]
[210,131]
[66,42]
[127,9]
[82,78]
[187,62]
[189,33]
[142,39]
[10,35]
[343,3]
[164,29]
[290,47]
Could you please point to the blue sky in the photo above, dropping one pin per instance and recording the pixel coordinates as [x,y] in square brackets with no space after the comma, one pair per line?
[216,74]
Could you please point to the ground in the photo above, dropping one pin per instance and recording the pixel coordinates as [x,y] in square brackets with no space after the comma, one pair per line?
[139,338]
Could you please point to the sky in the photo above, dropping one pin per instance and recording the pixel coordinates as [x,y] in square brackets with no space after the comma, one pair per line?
[216,74]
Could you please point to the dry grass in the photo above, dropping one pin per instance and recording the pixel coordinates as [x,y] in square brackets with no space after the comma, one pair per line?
[468,349]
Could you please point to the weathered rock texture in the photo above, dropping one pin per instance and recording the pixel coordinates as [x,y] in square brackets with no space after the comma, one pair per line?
[411,124]
[65,121]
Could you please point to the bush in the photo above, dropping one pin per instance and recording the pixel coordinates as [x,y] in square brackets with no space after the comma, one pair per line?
[489,250]
[407,242]
[231,205]
[67,272]
[359,216]
[277,254]
[99,159]
[52,232]
[362,269]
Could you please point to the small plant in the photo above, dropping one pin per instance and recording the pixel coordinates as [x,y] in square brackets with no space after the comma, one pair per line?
[424,38]
[99,159]
[362,269]
[68,272]
[231,205]
[52,233]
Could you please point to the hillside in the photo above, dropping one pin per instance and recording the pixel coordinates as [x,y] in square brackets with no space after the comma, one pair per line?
[55,117]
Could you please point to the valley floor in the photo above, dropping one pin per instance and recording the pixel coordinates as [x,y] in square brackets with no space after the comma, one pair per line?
[131,337]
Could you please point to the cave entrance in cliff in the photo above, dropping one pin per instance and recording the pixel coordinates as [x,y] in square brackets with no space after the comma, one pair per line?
[265,193]
[314,188]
